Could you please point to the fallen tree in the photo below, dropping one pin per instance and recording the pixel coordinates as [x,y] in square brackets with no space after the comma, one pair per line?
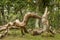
[18,24]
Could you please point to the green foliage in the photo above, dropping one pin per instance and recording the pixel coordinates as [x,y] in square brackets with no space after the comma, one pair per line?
[20,8]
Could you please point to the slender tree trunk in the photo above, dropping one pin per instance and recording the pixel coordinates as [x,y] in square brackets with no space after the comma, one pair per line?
[37,23]
[3,15]
[37,20]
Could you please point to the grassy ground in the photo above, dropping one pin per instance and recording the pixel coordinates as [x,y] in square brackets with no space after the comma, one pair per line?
[16,35]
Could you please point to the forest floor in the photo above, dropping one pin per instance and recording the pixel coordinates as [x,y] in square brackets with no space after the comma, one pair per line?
[16,35]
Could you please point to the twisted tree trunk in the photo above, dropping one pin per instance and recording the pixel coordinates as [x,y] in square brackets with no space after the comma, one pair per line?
[19,24]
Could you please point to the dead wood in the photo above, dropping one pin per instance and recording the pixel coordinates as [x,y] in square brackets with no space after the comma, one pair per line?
[18,24]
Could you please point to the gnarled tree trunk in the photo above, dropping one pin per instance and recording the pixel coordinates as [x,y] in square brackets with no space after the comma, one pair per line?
[19,24]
